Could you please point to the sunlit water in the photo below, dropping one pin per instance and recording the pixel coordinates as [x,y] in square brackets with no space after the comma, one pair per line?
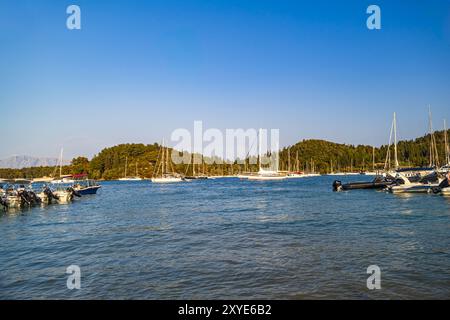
[226,238]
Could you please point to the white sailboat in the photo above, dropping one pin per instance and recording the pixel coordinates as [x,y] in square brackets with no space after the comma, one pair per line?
[446,167]
[373,172]
[271,173]
[421,186]
[63,179]
[434,155]
[297,173]
[447,147]
[126,178]
[164,169]
[312,171]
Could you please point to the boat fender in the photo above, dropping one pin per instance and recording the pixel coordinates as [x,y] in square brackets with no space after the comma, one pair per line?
[436,190]
[74,192]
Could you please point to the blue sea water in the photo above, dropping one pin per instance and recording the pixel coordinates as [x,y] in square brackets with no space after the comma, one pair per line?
[229,239]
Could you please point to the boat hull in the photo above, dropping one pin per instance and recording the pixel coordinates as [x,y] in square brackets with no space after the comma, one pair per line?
[88,190]
[63,196]
[166,180]
[419,188]
[266,178]
[196,178]
[44,198]
[365,185]
[295,176]
[14,202]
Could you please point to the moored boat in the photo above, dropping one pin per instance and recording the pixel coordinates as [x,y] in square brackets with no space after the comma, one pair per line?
[65,195]
[164,172]
[404,185]
[18,194]
[47,196]
[444,186]
[378,183]
[131,178]
[166,179]
[266,175]
[85,186]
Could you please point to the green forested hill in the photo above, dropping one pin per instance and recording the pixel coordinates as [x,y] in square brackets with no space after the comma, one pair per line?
[110,162]
[317,154]
[321,154]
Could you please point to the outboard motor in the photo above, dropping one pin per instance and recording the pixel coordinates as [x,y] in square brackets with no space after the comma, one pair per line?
[49,193]
[29,197]
[3,204]
[35,200]
[74,192]
[337,185]
[23,197]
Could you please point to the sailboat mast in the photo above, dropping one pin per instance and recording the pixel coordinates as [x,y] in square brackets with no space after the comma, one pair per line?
[167,159]
[61,162]
[395,142]
[373,158]
[289,159]
[387,163]
[447,150]
[163,160]
[259,148]
[430,124]
[203,166]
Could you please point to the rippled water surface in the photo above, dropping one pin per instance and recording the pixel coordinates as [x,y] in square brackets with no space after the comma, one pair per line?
[227,238]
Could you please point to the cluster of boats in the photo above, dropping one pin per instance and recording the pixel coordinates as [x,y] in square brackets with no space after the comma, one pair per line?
[21,193]
[433,179]
[436,182]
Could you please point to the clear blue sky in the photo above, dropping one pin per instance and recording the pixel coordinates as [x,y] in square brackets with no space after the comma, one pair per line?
[140,69]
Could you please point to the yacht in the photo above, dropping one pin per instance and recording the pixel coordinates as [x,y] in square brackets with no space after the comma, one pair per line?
[126,178]
[194,175]
[266,174]
[63,179]
[164,170]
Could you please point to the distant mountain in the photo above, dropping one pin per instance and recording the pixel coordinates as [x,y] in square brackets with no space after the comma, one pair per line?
[19,162]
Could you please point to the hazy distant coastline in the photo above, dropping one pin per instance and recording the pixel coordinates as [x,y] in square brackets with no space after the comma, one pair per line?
[23,161]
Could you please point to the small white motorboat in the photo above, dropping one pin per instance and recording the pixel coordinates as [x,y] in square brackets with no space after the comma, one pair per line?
[166,179]
[47,196]
[63,196]
[266,175]
[422,186]
[293,175]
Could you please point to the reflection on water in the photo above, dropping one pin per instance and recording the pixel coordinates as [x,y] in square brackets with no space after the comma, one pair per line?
[227,238]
